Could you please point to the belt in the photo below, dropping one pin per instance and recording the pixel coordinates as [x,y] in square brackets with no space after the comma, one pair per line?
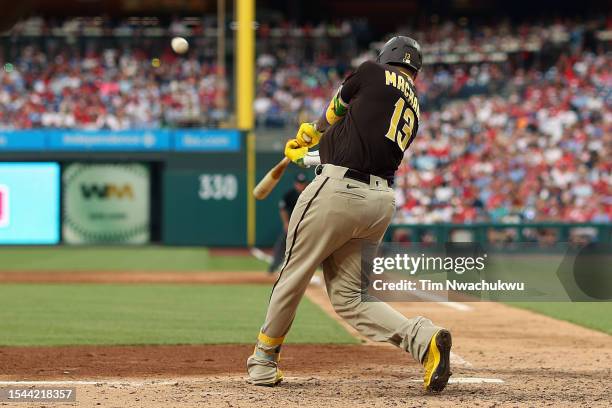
[354,175]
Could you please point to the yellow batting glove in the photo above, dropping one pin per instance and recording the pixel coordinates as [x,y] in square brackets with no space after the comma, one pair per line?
[295,152]
[308,135]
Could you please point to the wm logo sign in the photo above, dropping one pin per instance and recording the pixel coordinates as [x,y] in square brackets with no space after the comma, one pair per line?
[107,191]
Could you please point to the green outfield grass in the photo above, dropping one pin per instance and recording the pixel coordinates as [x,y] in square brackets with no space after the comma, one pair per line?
[35,314]
[596,315]
[51,315]
[145,258]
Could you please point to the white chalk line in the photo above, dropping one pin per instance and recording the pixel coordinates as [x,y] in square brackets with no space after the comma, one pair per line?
[441,300]
[261,255]
[452,380]
[457,360]
[470,380]
[143,383]
[91,382]
[475,380]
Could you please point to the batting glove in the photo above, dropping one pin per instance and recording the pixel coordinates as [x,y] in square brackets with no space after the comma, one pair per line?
[295,152]
[308,135]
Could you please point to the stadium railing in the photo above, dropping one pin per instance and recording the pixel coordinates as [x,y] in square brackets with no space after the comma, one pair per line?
[544,233]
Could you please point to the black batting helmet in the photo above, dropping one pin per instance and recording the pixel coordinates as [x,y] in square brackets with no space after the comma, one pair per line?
[403,51]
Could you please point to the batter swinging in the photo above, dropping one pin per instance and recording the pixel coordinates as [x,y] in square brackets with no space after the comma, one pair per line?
[368,125]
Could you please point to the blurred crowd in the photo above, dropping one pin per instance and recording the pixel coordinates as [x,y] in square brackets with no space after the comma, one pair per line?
[460,60]
[293,93]
[540,153]
[519,137]
[109,89]
[135,81]
[451,37]
[516,120]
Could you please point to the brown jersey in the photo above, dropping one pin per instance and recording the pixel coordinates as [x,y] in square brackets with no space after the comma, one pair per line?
[381,122]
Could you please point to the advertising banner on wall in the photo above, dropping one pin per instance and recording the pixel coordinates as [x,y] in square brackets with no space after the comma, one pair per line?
[106,203]
[159,140]
[29,203]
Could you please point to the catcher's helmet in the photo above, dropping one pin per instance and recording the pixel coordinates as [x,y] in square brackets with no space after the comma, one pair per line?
[403,51]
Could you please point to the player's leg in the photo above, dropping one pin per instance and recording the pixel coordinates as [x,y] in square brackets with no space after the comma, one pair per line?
[373,319]
[427,343]
[315,230]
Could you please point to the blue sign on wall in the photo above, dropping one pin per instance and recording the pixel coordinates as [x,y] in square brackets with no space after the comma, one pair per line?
[207,140]
[23,140]
[180,140]
[29,203]
[125,140]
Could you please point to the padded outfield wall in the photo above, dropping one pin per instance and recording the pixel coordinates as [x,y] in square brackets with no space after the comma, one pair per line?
[177,187]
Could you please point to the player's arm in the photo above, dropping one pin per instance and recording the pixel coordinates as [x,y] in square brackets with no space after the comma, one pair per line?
[336,110]
[309,134]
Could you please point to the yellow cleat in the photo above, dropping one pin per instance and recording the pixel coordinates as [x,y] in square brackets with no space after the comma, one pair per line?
[437,361]
[279,377]
[262,366]
[277,380]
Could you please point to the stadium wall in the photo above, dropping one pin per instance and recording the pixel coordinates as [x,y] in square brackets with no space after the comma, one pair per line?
[193,182]
[175,187]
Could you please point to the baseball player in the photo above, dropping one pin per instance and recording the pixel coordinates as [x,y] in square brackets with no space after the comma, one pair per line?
[368,125]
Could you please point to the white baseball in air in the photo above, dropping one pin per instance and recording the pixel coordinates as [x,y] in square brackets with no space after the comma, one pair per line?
[179,45]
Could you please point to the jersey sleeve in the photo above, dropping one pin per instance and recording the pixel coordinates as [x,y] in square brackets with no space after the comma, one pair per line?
[354,82]
[339,104]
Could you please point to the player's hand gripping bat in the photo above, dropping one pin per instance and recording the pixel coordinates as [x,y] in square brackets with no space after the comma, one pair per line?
[270,180]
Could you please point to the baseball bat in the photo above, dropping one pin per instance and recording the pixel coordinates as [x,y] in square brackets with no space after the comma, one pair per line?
[270,180]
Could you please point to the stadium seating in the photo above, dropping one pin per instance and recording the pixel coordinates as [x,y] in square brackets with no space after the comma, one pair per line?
[521,132]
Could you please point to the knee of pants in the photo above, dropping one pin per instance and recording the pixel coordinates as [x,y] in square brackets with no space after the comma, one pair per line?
[345,301]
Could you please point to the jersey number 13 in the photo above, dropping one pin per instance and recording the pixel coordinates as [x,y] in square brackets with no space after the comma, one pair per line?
[401,136]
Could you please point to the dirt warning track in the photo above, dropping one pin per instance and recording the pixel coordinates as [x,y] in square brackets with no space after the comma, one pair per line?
[208,278]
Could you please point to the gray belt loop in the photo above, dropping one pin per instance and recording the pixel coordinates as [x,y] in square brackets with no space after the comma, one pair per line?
[378,183]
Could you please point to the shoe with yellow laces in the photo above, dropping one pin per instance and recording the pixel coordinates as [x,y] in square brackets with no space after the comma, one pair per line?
[437,361]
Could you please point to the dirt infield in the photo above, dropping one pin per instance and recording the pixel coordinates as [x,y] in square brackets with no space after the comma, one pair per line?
[503,357]
[208,278]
